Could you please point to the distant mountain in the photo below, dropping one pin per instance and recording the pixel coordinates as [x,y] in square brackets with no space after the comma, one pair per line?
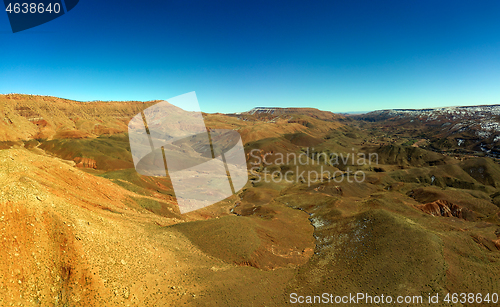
[449,113]
[311,112]
[475,128]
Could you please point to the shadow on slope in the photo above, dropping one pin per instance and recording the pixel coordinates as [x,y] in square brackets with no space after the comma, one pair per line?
[107,152]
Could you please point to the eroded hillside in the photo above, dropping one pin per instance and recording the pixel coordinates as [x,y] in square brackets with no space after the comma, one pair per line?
[43,117]
[80,227]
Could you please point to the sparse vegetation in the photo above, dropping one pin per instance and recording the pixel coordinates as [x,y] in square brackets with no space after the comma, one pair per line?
[423,221]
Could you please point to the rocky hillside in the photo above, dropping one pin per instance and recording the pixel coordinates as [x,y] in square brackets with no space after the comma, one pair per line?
[312,112]
[468,128]
[24,117]
[80,227]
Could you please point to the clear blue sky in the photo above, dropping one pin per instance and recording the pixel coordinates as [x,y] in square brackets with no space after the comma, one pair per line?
[333,55]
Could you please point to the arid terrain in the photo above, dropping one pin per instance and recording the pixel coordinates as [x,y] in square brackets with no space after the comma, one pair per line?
[80,227]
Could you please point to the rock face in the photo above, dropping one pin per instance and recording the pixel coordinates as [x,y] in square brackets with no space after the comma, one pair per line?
[85,162]
[445,208]
[497,243]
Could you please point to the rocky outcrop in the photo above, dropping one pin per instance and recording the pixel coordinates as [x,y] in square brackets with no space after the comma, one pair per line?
[445,208]
[497,243]
[85,162]
[299,121]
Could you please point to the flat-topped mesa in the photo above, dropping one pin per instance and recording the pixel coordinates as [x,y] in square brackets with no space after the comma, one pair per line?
[276,110]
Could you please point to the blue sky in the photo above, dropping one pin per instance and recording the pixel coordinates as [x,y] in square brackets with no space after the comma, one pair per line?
[333,55]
